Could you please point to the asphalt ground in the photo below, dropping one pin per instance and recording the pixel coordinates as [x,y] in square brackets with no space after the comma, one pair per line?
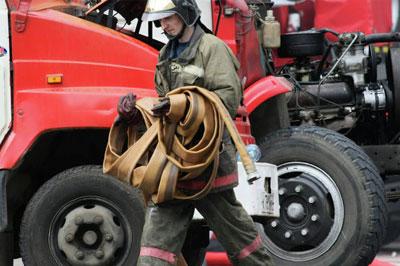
[389,254]
[392,257]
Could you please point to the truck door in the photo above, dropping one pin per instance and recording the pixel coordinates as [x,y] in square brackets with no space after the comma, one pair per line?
[5,87]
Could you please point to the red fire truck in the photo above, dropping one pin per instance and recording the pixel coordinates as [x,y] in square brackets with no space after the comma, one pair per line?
[62,71]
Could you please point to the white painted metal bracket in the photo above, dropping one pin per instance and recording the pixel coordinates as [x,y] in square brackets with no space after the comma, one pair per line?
[5,87]
[260,198]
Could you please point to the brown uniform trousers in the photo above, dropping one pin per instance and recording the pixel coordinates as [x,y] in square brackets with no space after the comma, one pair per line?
[166,225]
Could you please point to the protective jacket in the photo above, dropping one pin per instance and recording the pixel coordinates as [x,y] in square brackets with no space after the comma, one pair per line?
[209,63]
[206,62]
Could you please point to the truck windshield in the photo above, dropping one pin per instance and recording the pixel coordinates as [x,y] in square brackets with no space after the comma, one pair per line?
[123,16]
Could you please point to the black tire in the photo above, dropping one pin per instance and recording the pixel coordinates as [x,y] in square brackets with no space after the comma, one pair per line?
[81,216]
[333,210]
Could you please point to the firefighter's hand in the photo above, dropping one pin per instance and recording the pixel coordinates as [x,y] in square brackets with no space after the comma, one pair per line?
[162,107]
[127,111]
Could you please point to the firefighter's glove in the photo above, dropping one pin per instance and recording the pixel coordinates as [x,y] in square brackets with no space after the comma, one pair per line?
[127,111]
[161,108]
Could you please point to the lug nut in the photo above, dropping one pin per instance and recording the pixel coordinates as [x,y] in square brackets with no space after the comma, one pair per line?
[78,220]
[298,188]
[274,224]
[99,254]
[98,220]
[69,237]
[282,191]
[108,237]
[288,234]
[312,199]
[304,232]
[79,255]
[314,217]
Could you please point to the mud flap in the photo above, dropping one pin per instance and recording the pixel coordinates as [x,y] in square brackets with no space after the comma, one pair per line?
[6,249]
[3,202]
[6,237]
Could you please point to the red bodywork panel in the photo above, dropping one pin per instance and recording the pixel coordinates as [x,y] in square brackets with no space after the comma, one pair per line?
[97,65]
[35,5]
[368,16]
[226,28]
[265,89]
[239,32]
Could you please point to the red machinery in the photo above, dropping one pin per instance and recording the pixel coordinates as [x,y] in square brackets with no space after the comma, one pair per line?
[63,70]
[370,16]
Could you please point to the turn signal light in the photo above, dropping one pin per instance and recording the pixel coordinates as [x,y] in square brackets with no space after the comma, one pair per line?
[54,78]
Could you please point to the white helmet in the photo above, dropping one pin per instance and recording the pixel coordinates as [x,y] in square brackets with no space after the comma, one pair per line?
[159,9]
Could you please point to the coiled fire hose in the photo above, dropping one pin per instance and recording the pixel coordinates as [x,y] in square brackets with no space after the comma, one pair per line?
[168,151]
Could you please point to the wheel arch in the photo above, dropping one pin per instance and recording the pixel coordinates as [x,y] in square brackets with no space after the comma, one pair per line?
[265,103]
[263,90]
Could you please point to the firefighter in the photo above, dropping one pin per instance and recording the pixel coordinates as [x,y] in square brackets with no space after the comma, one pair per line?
[193,57]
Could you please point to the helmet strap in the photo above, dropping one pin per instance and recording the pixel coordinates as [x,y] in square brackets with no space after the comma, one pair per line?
[180,34]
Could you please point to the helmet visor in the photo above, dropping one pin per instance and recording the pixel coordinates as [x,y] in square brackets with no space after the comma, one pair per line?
[158,9]
[157,15]
[158,6]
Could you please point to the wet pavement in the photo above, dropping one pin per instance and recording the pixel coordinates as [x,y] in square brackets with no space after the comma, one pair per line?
[392,257]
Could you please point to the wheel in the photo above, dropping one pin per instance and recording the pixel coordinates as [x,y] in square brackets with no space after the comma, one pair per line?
[82,217]
[333,210]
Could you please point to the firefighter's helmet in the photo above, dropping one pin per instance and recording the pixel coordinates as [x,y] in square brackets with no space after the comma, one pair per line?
[158,9]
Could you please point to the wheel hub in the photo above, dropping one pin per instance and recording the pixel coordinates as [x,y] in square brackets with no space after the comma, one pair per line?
[311,213]
[90,236]
[303,200]
[295,212]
